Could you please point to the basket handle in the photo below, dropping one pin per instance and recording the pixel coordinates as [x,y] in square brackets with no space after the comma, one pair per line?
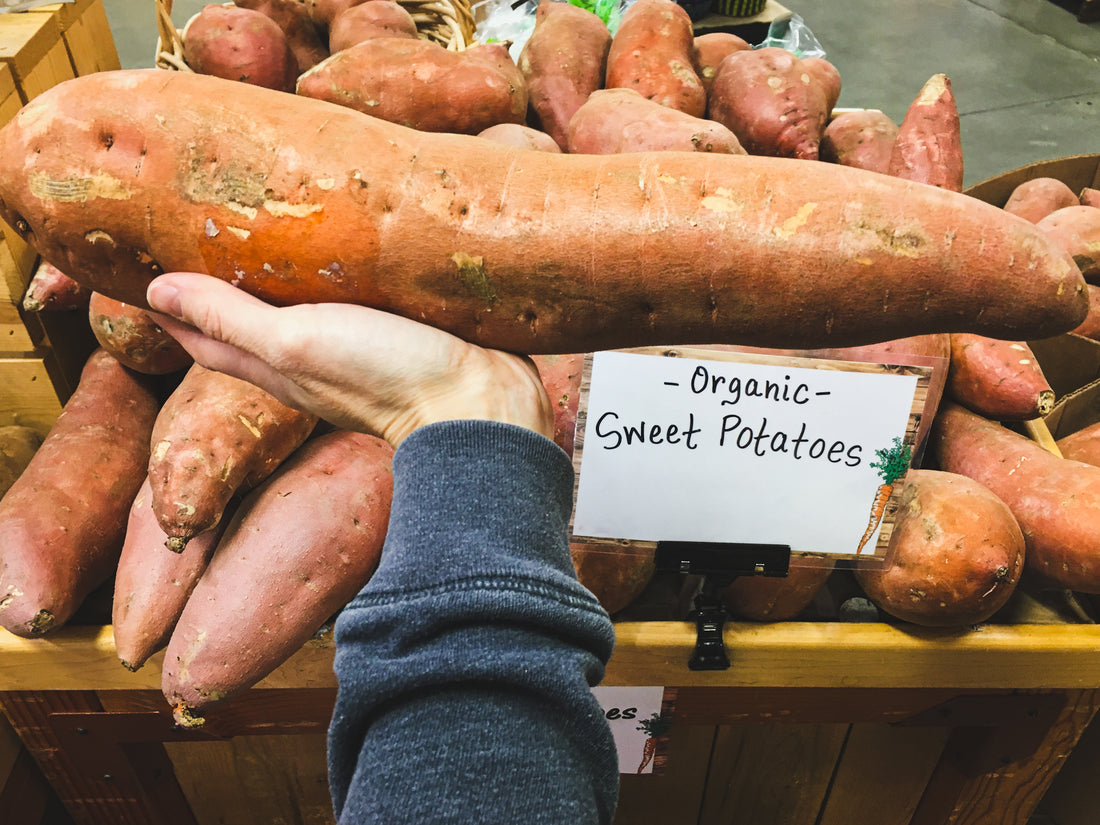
[169,41]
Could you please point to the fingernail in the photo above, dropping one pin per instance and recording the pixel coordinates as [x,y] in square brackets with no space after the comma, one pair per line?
[164,298]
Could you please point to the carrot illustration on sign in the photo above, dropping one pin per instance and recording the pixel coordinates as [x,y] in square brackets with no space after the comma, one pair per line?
[892,463]
[654,727]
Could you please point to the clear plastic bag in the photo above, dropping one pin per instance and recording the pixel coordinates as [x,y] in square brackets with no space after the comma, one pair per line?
[790,32]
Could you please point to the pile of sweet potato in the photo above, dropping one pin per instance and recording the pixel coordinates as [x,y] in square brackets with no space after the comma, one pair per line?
[173,485]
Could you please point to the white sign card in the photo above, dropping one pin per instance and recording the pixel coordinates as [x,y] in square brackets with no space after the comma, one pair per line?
[639,718]
[771,451]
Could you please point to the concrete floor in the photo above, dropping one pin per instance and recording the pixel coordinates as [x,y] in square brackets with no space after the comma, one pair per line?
[1025,73]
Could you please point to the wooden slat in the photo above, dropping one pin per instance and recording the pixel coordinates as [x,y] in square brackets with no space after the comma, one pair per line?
[87,35]
[791,654]
[673,797]
[778,774]
[253,779]
[883,774]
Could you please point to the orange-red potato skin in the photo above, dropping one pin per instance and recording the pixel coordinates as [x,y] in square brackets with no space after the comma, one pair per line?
[776,599]
[421,84]
[652,53]
[999,379]
[621,120]
[928,146]
[1055,500]
[300,545]
[216,436]
[151,584]
[708,50]
[863,138]
[1090,327]
[292,16]
[519,136]
[1077,230]
[239,44]
[1034,199]
[51,289]
[957,553]
[62,521]
[563,62]
[117,176]
[377,18]
[774,104]
[131,335]
[1082,445]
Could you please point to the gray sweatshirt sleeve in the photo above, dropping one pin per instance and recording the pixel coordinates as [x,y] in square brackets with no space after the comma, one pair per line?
[465,664]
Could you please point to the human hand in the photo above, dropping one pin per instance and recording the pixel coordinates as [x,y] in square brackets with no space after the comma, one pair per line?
[358,368]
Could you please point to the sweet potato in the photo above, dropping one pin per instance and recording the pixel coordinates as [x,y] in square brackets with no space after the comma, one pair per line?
[708,50]
[863,138]
[621,120]
[378,18]
[523,251]
[239,44]
[828,76]
[306,43]
[998,379]
[651,53]
[774,105]
[1090,327]
[62,521]
[520,137]
[956,554]
[300,545]
[1082,445]
[1055,500]
[1034,199]
[18,445]
[561,375]
[323,12]
[776,599]
[563,62]
[616,577]
[1077,230]
[1088,197]
[131,335]
[215,437]
[152,585]
[928,147]
[421,84]
[51,289]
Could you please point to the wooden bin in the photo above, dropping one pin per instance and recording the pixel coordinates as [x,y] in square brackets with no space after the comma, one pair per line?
[828,723]
[86,34]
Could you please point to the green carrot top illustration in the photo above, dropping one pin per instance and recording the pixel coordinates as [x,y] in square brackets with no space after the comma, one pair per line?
[893,461]
[656,725]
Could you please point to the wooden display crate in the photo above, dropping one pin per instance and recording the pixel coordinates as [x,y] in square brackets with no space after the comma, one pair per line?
[86,34]
[32,48]
[828,723]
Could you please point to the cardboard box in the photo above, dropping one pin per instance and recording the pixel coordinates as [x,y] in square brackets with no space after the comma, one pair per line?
[1077,172]
[86,34]
[32,48]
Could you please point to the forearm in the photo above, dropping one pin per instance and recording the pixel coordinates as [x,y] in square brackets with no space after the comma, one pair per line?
[465,665]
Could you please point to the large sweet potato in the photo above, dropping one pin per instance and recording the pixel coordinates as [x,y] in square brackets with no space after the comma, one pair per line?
[1077,230]
[131,335]
[306,42]
[563,62]
[239,44]
[1034,199]
[1002,380]
[863,138]
[117,176]
[152,585]
[300,545]
[421,84]
[708,50]
[621,120]
[652,53]
[1055,500]
[956,553]
[773,103]
[928,146]
[62,521]
[215,437]
[777,599]
[51,289]
[377,18]
[519,136]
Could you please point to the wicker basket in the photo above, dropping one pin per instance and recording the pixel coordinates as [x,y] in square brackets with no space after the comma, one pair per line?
[448,22]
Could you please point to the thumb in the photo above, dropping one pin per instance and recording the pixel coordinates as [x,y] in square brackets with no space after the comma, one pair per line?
[222,327]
